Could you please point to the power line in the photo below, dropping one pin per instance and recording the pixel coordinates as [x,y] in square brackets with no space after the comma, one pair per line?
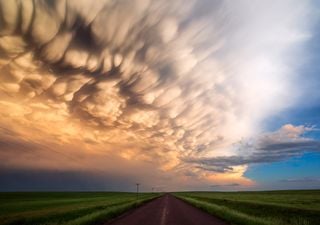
[137,190]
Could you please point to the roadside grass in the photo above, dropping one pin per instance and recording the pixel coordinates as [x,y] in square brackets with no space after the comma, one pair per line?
[259,208]
[65,208]
[103,215]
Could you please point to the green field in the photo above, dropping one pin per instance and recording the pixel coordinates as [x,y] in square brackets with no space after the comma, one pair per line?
[66,208]
[241,208]
[259,208]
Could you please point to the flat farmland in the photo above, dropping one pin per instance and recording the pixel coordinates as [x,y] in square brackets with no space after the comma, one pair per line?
[95,208]
[259,208]
[66,208]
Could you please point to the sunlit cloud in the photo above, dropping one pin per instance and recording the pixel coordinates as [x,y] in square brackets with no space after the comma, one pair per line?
[146,83]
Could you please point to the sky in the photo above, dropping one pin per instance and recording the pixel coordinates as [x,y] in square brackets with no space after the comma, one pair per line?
[174,95]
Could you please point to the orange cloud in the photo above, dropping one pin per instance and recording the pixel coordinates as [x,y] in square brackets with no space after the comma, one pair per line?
[138,84]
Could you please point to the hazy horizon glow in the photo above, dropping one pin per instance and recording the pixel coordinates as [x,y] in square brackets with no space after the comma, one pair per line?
[97,95]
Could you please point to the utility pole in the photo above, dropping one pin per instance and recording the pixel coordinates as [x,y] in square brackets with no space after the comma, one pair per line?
[137,190]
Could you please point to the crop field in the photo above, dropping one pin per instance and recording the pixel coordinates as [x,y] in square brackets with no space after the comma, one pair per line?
[259,208]
[66,208]
[238,208]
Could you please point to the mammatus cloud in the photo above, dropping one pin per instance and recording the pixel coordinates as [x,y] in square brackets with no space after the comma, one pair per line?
[147,80]
[280,145]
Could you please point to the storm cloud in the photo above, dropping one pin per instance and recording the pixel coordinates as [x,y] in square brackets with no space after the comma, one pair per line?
[150,80]
[283,144]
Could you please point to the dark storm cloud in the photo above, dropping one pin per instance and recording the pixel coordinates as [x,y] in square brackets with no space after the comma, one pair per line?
[225,185]
[301,180]
[49,180]
[274,147]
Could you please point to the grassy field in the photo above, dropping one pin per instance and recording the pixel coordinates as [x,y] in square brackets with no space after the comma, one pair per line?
[260,208]
[65,208]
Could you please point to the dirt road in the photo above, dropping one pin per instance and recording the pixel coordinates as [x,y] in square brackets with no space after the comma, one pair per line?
[167,210]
